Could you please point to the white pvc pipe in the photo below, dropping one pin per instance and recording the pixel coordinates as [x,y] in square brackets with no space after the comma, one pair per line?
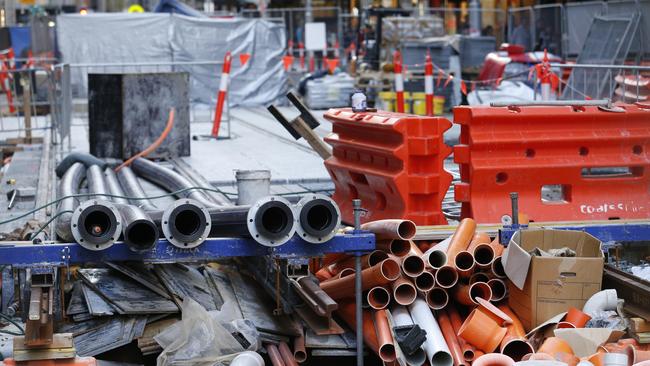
[440,250]
[600,301]
[435,345]
[402,317]
[248,358]
[615,359]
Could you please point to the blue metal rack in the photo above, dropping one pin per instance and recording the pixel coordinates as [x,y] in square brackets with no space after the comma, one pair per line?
[29,255]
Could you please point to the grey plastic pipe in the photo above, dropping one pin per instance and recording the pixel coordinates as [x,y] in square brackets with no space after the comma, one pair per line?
[401,317]
[132,187]
[69,185]
[170,180]
[600,301]
[435,346]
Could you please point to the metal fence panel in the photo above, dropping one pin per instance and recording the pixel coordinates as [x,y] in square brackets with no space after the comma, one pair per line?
[579,17]
[627,7]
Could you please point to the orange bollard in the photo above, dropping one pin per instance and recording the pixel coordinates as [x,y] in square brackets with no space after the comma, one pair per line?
[221,97]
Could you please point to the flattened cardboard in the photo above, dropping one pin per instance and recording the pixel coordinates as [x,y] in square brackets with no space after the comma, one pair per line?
[585,341]
[542,287]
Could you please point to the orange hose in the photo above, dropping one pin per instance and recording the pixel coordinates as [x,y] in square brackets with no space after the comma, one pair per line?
[154,146]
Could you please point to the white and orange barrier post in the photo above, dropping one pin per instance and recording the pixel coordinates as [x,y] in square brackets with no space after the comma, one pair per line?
[221,97]
[428,85]
[399,82]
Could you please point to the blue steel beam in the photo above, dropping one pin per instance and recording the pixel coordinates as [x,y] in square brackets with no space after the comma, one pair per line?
[635,231]
[29,255]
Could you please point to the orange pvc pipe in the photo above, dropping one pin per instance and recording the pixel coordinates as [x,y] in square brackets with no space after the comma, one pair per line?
[323,274]
[498,247]
[483,256]
[469,352]
[464,264]
[346,311]
[437,298]
[368,260]
[467,294]
[479,238]
[391,229]
[482,331]
[378,297]
[446,277]
[450,337]
[404,291]
[479,277]
[287,355]
[461,239]
[499,289]
[514,344]
[497,268]
[577,317]
[379,275]
[425,281]
[343,273]
[384,337]
[493,359]
[274,355]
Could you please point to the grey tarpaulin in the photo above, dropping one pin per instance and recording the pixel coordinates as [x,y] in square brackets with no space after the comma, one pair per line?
[164,38]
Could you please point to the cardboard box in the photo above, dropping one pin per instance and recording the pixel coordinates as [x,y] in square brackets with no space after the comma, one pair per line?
[542,287]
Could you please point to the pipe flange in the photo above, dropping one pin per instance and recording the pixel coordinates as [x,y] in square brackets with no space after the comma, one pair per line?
[318,218]
[271,221]
[199,223]
[96,224]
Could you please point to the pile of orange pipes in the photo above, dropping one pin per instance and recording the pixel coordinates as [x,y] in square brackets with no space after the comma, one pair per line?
[461,279]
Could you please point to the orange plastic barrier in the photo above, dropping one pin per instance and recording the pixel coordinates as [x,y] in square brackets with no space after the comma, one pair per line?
[393,162]
[566,163]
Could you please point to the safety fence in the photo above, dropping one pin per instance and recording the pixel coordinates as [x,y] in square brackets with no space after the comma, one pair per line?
[563,28]
[25,100]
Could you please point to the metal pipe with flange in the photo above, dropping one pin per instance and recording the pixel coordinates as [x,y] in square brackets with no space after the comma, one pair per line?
[318,218]
[96,224]
[68,186]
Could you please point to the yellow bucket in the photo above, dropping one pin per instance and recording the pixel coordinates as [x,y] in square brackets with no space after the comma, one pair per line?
[420,106]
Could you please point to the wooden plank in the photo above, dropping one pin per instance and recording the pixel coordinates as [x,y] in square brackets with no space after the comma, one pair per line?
[61,347]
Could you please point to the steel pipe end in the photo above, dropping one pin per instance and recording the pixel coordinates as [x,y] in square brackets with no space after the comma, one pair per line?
[96,224]
[141,235]
[186,223]
[271,221]
[318,218]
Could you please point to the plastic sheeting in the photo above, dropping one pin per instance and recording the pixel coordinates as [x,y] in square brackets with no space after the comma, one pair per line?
[165,38]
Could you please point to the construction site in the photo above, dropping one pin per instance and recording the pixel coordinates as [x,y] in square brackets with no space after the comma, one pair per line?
[324,182]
